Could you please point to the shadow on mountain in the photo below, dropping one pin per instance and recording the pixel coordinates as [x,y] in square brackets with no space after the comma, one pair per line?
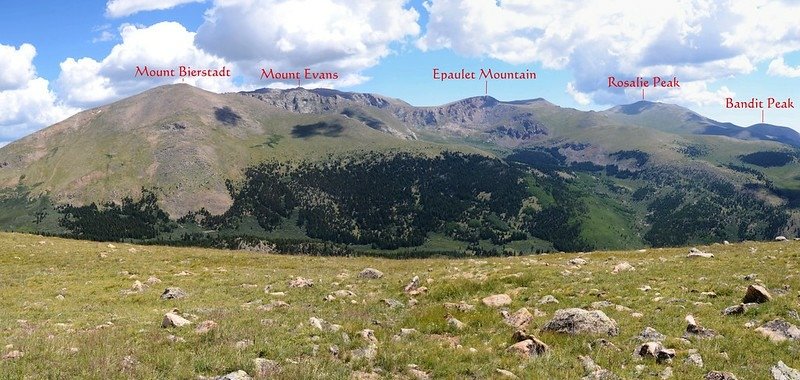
[322,128]
[225,115]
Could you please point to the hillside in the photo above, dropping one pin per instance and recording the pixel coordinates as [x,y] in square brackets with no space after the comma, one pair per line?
[337,172]
[90,310]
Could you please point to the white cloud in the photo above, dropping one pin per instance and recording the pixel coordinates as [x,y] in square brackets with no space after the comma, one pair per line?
[779,68]
[346,36]
[26,102]
[122,8]
[167,45]
[697,40]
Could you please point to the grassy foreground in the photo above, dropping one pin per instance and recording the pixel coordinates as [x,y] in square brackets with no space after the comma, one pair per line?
[63,304]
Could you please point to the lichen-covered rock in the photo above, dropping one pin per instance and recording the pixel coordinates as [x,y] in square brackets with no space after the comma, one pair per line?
[580,321]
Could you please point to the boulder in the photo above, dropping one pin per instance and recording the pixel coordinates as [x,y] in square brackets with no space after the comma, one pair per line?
[370,273]
[781,238]
[236,375]
[650,334]
[580,321]
[781,371]
[594,371]
[578,261]
[623,267]
[301,282]
[497,300]
[529,347]
[738,309]
[756,294]
[719,375]
[412,285]
[779,330]
[173,293]
[265,368]
[205,327]
[547,299]
[519,319]
[696,253]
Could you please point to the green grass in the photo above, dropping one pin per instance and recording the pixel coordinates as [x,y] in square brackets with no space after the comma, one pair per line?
[34,270]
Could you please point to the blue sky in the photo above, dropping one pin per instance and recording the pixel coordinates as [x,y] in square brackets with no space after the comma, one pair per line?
[58,58]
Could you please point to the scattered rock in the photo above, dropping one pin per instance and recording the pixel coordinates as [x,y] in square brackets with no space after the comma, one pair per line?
[368,335]
[738,309]
[666,373]
[623,267]
[580,321]
[756,294]
[696,253]
[781,238]
[236,375]
[603,344]
[323,325]
[651,334]
[242,344]
[205,327]
[272,305]
[693,329]
[529,347]
[665,355]
[505,374]
[172,319]
[650,349]
[370,273]
[417,373]
[594,371]
[519,319]
[360,375]
[781,371]
[369,352]
[779,330]
[408,332]
[547,299]
[497,300]
[173,293]
[129,362]
[719,375]
[152,280]
[300,282]
[265,368]
[343,293]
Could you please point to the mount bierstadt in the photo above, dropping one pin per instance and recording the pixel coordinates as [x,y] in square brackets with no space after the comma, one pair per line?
[330,172]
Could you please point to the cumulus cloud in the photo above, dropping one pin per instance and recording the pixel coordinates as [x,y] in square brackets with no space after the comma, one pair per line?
[122,8]
[346,36]
[167,45]
[779,68]
[26,101]
[697,40]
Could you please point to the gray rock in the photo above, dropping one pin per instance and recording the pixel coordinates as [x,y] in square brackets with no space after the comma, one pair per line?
[781,371]
[370,273]
[301,282]
[696,253]
[505,374]
[172,319]
[547,299]
[393,303]
[173,293]
[580,321]
[738,309]
[694,359]
[237,375]
[592,371]
[497,300]
[756,294]
[650,334]
[265,368]
[529,347]
[623,267]
[649,349]
[519,319]
[778,330]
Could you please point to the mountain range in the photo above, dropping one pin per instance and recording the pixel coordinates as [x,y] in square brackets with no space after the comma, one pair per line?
[633,175]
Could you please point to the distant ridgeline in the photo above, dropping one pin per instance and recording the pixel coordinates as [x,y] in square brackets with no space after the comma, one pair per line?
[407,205]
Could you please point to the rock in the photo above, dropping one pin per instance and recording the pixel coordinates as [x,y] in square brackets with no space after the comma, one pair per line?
[529,347]
[519,319]
[650,334]
[173,293]
[152,280]
[242,344]
[172,319]
[578,261]
[393,303]
[237,375]
[138,287]
[650,349]
[696,253]
[693,329]
[694,359]
[781,371]
[13,355]
[369,352]
[505,374]
[368,335]
[455,323]
[205,327]
[370,273]
[623,267]
[272,305]
[738,309]
[666,373]
[665,355]
[417,373]
[412,285]
[725,242]
[719,375]
[756,294]
[779,330]
[603,344]
[781,238]
[343,293]
[360,375]
[593,371]
[580,321]
[300,282]
[461,306]
[265,368]
[497,300]
[547,299]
